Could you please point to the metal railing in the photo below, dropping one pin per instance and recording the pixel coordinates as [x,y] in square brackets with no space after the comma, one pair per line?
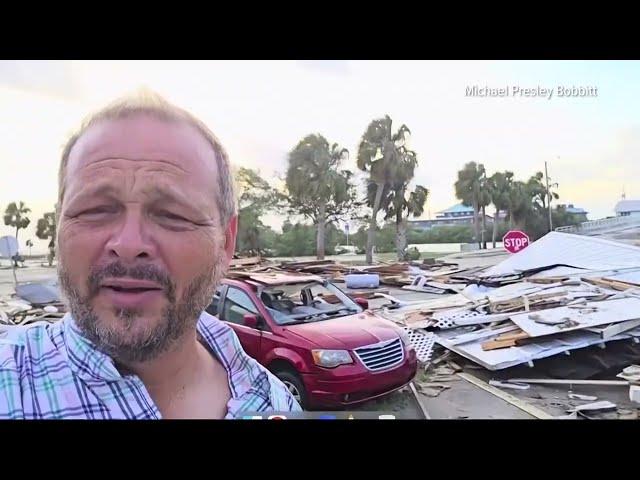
[601,224]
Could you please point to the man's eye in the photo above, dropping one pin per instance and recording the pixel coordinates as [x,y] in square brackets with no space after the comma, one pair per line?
[97,211]
[172,217]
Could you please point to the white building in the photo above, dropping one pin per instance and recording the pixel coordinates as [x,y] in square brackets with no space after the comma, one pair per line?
[625,208]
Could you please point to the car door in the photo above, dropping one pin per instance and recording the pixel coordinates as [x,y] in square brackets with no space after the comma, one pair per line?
[235,306]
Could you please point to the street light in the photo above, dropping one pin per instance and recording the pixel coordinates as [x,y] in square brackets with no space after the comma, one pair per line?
[546,174]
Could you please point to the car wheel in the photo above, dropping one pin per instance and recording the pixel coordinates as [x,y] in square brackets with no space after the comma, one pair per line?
[295,386]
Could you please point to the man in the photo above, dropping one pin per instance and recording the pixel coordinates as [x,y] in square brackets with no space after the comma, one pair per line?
[146,229]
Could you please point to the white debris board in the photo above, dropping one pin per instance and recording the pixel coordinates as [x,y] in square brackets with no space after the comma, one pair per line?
[508,357]
[567,249]
[608,311]
[422,342]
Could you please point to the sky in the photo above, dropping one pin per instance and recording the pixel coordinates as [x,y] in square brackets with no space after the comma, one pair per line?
[261,109]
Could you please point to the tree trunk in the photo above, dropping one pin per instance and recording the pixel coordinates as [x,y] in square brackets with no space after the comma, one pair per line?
[476,228]
[321,231]
[495,228]
[371,234]
[484,227]
[17,230]
[401,236]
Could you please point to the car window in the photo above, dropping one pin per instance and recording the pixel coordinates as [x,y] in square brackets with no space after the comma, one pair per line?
[212,309]
[312,301]
[237,304]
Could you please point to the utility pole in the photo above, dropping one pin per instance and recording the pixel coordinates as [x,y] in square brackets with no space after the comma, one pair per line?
[546,174]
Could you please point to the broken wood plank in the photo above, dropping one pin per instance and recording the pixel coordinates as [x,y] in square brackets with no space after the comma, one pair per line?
[547,280]
[611,284]
[238,262]
[555,381]
[496,344]
[515,401]
[506,341]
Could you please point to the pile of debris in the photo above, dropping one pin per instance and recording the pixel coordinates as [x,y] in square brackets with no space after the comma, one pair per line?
[18,312]
[420,276]
[33,302]
[562,293]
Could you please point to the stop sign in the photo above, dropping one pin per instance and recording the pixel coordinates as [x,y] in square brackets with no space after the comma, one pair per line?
[515,240]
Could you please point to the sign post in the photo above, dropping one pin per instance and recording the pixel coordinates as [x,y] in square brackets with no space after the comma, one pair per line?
[515,241]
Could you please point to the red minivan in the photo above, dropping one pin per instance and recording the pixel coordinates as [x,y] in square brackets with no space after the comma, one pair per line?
[327,348]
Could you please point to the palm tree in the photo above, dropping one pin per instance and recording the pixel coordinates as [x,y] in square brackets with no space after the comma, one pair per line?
[316,188]
[396,205]
[468,188]
[484,199]
[499,187]
[538,192]
[414,206]
[46,230]
[520,205]
[384,155]
[16,216]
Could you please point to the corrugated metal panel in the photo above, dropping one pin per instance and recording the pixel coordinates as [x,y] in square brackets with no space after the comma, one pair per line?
[575,250]
[628,206]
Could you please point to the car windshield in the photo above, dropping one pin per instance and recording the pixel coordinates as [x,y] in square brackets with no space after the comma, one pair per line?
[307,302]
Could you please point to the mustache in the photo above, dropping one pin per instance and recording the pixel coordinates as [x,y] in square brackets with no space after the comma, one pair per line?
[139,272]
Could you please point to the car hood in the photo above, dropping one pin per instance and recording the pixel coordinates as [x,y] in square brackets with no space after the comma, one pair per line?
[346,333]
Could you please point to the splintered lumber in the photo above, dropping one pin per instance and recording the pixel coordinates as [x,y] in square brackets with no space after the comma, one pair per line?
[527,301]
[241,262]
[391,269]
[547,280]
[611,284]
[505,341]
[622,282]
[417,319]
[315,266]
[395,280]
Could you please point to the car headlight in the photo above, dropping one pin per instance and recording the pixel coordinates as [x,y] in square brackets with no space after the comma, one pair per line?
[404,336]
[331,358]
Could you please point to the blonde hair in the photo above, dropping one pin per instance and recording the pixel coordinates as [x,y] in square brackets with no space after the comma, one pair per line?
[147,102]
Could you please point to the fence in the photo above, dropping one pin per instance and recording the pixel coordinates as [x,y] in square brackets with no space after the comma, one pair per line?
[601,224]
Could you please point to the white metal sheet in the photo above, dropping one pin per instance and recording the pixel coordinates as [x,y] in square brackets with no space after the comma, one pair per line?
[508,357]
[608,311]
[575,250]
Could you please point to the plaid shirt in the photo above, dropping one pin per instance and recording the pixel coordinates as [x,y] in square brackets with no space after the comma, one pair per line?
[52,371]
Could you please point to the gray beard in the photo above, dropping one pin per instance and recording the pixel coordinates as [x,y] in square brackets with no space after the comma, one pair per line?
[176,319]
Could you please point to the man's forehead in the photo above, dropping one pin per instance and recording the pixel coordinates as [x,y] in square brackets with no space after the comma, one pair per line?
[145,141]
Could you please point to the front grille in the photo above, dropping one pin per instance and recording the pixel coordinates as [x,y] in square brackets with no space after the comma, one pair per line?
[381,356]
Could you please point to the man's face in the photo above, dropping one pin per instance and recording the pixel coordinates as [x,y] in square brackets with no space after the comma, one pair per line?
[141,242]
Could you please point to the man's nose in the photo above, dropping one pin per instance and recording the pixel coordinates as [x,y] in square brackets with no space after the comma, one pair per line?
[130,242]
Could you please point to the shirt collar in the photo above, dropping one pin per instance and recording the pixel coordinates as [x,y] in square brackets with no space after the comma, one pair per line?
[244,376]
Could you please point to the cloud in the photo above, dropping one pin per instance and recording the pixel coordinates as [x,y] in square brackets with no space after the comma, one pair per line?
[52,78]
[340,67]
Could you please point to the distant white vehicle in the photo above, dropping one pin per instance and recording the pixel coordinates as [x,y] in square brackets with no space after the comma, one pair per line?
[346,250]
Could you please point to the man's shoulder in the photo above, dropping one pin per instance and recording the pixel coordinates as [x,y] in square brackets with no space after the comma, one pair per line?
[27,356]
[33,341]
[249,380]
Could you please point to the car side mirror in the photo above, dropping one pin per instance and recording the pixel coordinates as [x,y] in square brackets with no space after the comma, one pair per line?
[251,320]
[363,302]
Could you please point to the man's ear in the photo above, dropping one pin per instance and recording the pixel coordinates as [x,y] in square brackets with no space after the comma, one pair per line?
[230,237]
